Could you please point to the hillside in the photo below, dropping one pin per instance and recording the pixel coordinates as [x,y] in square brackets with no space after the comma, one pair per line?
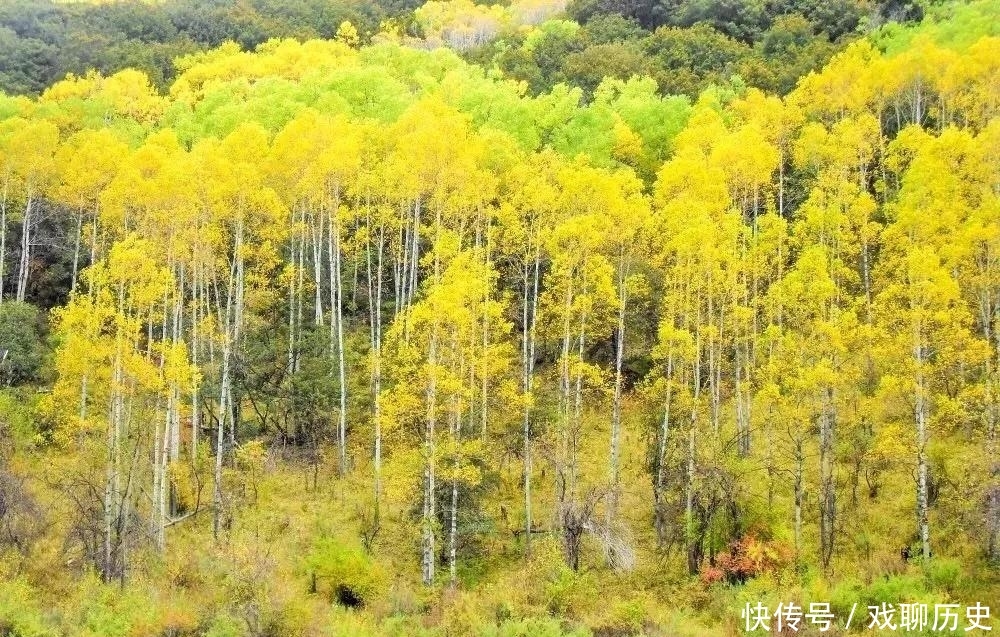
[685,45]
[356,336]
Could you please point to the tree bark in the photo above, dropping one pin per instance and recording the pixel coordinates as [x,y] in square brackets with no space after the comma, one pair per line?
[76,250]
[3,236]
[430,497]
[692,547]
[528,355]
[375,333]
[661,452]
[22,274]
[799,460]
[920,415]
[341,373]
[233,321]
[828,502]
[616,405]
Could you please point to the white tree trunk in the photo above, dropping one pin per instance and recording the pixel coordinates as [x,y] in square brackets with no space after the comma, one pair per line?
[233,319]
[798,499]
[430,513]
[76,250]
[920,414]
[3,236]
[616,405]
[22,274]
[341,372]
[528,356]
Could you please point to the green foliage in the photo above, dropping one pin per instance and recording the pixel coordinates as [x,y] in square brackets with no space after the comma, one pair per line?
[20,612]
[954,25]
[567,592]
[336,565]
[684,56]
[42,41]
[18,424]
[612,28]
[532,627]
[224,626]
[893,589]
[22,335]
[945,575]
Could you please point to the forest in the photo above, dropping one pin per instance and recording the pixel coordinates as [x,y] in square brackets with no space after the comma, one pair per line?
[588,320]
[684,44]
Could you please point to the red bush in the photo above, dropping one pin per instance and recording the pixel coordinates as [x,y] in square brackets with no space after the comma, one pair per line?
[748,557]
[712,574]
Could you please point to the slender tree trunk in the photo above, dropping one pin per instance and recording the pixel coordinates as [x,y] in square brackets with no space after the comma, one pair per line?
[93,237]
[742,399]
[317,250]
[76,250]
[22,274]
[415,256]
[111,488]
[529,312]
[484,370]
[430,513]
[577,409]
[111,468]
[293,254]
[430,497]
[341,373]
[564,409]
[377,376]
[661,452]
[3,236]
[237,331]
[781,181]
[300,287]
[161,451]
[453,531]
[920,413]
[526,413]
[195,359]
[828,495]
[616,405]
[799,460]
[993,414]
[399,263]
[233,319]
[692,545]
[453,535]
[714,365]
[176,329]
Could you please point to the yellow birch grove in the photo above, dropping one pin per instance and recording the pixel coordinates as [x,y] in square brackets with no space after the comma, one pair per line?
[320,291]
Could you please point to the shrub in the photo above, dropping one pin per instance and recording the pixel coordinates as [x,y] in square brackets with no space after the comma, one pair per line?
[750,557]
[21,336]
[894,589]
[346,573]
[627,618]
[712,574]
[19,614]
[224,626]
[568,592]
[844,595]
[944,574]
[532,627]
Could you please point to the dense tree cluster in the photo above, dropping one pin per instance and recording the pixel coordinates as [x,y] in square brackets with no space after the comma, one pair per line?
[686,45]
[43,40]
[320,296]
